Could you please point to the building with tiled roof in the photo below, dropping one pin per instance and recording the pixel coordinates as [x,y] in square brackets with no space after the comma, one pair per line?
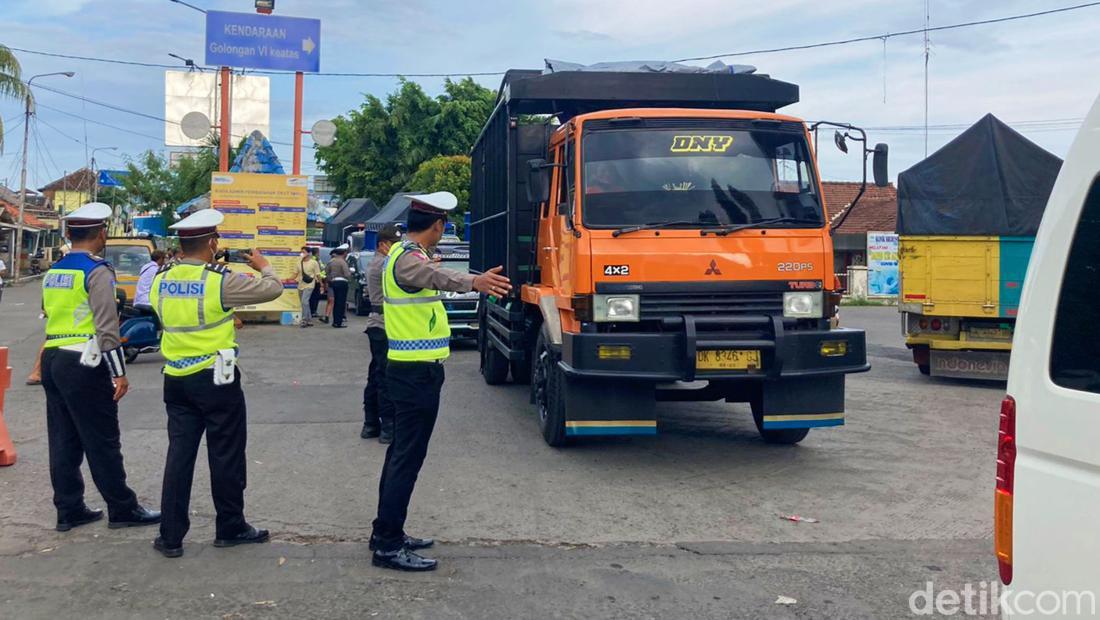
[876,211]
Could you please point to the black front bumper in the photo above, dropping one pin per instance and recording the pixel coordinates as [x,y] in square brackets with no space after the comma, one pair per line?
[669,355]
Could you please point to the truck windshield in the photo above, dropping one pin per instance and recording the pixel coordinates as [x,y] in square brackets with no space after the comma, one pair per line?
[698,177]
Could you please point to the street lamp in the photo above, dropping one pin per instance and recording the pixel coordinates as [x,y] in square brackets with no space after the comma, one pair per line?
[18,249]
[190,6]
[95,178]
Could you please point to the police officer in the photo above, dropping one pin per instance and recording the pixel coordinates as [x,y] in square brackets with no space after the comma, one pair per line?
[84,375]
[202,390]
[377,408]
[419,341]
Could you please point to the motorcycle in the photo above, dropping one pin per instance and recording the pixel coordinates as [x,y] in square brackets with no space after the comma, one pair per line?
[140,332]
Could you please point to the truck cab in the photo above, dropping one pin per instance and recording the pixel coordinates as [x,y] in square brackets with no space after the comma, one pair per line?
[676,253]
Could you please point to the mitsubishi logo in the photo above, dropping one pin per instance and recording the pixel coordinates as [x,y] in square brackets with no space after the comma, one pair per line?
[713,270]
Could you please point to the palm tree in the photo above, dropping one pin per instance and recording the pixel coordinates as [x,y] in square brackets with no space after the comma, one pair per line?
[11,82]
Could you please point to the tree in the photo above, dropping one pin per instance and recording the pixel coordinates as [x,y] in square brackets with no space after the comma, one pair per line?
[153,185]
[450,173]
[11,82]
[380,145]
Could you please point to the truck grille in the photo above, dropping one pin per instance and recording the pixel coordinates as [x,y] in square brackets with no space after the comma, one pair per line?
[655,306]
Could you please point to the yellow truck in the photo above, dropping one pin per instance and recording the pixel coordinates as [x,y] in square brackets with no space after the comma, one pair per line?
[967,218]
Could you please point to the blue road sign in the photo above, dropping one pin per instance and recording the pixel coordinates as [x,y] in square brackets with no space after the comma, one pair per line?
[112,178]
[263,41]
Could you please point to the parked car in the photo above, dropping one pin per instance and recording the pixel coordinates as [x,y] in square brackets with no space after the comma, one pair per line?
[358,301]
[1048,466]
[461,307]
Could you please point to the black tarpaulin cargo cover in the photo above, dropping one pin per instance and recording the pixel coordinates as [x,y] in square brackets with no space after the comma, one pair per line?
[988,181]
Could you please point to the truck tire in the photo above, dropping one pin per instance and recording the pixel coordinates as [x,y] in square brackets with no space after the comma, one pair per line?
[494,366]
[521,371]
[783,436]
[548,394]
[925,369]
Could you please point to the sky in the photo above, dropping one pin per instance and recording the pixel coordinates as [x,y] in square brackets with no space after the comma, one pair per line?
[1028,70]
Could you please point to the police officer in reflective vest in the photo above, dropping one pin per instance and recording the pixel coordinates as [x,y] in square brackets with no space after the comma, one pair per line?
[84,375]
[419,341]
[202,390]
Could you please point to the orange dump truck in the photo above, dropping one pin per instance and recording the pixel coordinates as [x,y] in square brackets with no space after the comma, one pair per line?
[667,239]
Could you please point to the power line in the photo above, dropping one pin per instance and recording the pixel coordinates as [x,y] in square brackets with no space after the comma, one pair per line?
[890,35]
[772,50]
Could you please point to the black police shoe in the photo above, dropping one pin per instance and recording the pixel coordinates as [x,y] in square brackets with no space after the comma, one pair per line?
[411,543]
[370,432]
[249,536]
[385,437]
[166,550]
[137,517]
[403,559]
[83,516]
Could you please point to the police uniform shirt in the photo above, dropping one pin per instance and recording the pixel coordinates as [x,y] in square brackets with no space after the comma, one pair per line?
[104,306]
[413,270]
[374,289]
[242,290]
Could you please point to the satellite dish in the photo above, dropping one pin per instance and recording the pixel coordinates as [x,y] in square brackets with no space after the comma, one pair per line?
[195,125]
[323,132]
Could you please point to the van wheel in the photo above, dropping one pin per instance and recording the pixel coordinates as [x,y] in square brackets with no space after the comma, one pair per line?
[131,354]
[548,393]
[781,436]
[494,366]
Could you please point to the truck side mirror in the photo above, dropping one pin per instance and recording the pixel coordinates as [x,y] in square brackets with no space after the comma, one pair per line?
[882,177]
[538,181]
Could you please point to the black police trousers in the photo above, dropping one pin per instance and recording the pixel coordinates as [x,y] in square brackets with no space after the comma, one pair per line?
[195,405]
[339,301]
[377,407]
[82,419]
[414,389]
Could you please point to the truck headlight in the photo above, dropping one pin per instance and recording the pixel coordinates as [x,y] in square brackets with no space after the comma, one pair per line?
[608,308]
[802,305]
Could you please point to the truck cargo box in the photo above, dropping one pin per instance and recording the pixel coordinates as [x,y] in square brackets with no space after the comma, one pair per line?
[960,276]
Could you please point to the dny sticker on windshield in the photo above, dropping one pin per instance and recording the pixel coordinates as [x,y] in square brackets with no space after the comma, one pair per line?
[701,144]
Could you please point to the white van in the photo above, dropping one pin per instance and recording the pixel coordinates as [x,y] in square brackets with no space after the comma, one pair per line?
[1047,524]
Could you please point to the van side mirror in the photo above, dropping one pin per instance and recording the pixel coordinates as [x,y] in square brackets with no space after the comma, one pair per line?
[879,165]
[538,181]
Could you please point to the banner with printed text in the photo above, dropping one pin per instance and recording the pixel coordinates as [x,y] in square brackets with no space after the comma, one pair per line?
[882,264]
[265,212]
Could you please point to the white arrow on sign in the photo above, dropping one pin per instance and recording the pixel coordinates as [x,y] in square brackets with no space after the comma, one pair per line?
[308,45]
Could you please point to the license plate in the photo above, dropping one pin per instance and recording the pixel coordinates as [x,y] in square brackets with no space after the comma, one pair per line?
[727,359]
[991,333]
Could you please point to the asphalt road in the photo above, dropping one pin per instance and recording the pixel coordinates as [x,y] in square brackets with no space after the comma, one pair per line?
[686,523]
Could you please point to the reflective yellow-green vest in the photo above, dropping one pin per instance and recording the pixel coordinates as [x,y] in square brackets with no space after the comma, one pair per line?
[188,301]
[416,322]
[69,318]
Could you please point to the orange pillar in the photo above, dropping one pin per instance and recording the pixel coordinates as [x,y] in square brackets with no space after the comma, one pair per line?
[7,448]
[298,87]
[226,123]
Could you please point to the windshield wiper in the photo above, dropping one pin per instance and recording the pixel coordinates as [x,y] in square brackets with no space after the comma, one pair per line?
[652,225]
[725,230]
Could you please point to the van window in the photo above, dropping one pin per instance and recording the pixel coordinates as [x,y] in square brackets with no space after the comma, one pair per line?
[1075,350]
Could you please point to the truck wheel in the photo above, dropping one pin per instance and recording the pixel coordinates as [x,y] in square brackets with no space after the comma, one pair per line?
[521,371]
[925,369]
[548,393]
[494,366]
[131,354]
[782,436]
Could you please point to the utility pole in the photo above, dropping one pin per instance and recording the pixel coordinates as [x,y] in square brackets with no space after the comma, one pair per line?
[17,250]
[927,19]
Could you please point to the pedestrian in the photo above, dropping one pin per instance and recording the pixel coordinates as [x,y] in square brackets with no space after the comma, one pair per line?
[202,387]
[3,268]
[419,341]
[339,273]
[84,376]
[315,298]
[377,408]
[308,274]
[145,281]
